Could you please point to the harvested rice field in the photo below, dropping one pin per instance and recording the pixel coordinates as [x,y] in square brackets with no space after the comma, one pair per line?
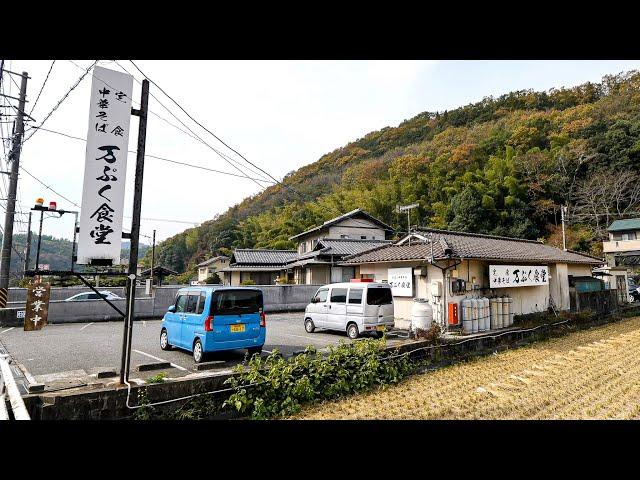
[589,374]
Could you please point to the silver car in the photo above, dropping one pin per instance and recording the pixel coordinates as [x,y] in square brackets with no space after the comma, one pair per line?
[81,297]
[355,307]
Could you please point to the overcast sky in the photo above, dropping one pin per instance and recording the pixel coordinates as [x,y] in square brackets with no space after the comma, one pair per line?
[280,115]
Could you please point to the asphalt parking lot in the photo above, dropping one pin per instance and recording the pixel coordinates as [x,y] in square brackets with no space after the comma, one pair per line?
[68,353]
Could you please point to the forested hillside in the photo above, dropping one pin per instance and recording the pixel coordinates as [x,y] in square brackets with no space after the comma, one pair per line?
[502,166]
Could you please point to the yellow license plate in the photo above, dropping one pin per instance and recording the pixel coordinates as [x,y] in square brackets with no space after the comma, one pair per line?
[238,328]
[380,328]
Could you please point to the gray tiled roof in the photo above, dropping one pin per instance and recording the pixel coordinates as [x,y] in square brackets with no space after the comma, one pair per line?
[353,213]
[263,257]
[333,246]
[211,260]
[472,245]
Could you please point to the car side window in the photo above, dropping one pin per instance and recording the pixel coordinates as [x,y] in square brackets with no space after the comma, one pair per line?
[355,296]
[339,295]
[192,304]
[322,294]
[181,303]
[202,299]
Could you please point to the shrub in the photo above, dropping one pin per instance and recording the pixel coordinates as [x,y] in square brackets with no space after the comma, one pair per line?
[248,282]
[432,334]
[282,386]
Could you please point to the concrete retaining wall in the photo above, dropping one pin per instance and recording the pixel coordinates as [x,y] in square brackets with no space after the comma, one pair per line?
[277,298]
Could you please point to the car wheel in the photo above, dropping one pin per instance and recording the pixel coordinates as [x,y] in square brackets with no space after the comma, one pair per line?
[254,351]
[198,352]
[164,340]
[309,326]
[352,331]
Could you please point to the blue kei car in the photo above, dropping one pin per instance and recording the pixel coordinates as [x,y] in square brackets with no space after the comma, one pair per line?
[212,319]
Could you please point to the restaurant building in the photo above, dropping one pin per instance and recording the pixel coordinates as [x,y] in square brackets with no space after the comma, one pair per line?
[446,267]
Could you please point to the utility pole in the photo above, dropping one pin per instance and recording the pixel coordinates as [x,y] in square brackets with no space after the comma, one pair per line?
[153,257]
[135,232]
[14,158]
[27,248]
[564,240]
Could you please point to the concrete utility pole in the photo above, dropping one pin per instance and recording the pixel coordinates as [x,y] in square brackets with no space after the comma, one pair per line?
[135,233]
[153,257]
[27,248]
[14,158]
[564,240]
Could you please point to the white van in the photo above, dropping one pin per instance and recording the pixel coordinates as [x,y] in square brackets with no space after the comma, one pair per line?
[355,307]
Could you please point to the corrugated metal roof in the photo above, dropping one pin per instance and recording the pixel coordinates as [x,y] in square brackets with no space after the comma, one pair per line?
[263,257]
[627,224]
[472,245]
[351,214]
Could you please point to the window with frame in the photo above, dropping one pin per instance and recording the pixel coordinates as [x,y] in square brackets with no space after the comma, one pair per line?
[321,296]
[339,295]
[355,296]
[181,303]
[201,300]
[192,304]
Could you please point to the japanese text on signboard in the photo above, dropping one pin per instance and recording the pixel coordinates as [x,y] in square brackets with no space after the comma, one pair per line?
[401,281]
[37,307]
[105,166]
[506,276]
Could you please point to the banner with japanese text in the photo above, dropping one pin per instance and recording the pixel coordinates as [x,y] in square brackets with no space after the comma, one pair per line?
[505,276]
[105,168]
[37,307]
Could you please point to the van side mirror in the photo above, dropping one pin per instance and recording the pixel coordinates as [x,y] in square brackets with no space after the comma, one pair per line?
[171,309]
[314,300]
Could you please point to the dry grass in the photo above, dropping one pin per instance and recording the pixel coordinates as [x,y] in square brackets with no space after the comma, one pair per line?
[591,374]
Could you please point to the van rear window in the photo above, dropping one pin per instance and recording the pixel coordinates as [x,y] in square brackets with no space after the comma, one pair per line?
[236,302]
[379,296]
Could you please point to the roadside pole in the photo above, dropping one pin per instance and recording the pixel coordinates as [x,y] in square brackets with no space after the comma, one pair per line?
[27,249]
[153,258]
[14,158]
[135,233]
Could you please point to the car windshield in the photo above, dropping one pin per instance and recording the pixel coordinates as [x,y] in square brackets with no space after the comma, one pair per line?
[236,302]
[379,296]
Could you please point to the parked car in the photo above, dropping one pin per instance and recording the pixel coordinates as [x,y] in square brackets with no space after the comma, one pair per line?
[352,307]
[208,319]
[634,291]
[81,297]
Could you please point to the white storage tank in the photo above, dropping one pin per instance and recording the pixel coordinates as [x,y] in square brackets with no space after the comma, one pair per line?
[421,314]
[505,311]
[475,315]
[467,315]
[486,313]
[500,312]
[494,313]
[510,311]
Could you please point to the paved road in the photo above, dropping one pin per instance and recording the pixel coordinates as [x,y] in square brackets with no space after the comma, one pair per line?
[75,350]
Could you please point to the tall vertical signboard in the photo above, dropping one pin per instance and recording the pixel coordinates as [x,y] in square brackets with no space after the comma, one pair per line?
[105,168]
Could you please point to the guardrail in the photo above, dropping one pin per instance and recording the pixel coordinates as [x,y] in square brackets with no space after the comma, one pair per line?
[8,388]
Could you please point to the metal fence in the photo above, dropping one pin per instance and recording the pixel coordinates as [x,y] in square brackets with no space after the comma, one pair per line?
[9,391]
[604,301]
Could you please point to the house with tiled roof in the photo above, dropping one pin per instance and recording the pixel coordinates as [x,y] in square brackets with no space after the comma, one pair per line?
[319,251]
[448,266]
[211,266]
[623,247]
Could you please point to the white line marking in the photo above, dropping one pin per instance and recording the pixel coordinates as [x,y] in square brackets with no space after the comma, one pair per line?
[268,351]
[8,329]
[161,360]
[87,325]
[310,339]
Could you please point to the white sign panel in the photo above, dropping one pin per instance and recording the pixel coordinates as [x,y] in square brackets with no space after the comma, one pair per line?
[506,276]
[401,281]
[105,167]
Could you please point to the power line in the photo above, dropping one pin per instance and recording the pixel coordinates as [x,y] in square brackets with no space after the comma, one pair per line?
[48,187]
[62,99]
[157,157]
[202,126]
[224,157]
[42,88]
[193,135]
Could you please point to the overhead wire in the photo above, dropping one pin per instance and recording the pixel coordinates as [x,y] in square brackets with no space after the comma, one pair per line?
[42,87]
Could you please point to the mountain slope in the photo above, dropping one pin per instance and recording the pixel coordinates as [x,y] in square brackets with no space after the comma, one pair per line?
[503,166]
